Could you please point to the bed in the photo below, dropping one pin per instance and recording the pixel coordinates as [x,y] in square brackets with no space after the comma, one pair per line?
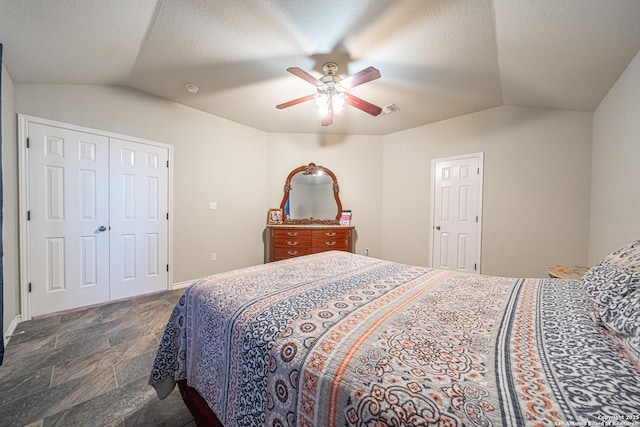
[338,339]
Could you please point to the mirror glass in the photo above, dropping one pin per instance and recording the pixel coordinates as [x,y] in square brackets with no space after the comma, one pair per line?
[311,196]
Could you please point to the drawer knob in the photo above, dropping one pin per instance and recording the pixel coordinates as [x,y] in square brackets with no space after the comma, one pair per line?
[294,243]
[329,243]
[292,233]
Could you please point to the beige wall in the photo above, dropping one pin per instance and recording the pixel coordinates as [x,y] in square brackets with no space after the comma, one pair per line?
[214,160]
[10,259]
[536,187]
[356,160]
[383,180]
[615,190]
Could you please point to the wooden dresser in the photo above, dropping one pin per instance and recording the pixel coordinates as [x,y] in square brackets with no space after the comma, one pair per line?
[289,241]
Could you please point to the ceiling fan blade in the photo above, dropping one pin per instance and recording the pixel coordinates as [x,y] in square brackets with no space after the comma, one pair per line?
[295,102]
[366,75]
[327,119]
[363,105]
[304,75]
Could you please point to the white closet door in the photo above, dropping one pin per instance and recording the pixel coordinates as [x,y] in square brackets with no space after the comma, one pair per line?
[139,223]
[69,216]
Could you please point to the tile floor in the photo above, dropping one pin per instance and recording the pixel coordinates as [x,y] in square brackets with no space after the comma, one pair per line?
[90,367]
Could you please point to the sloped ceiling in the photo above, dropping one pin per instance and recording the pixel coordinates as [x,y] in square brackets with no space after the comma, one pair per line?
[438,59]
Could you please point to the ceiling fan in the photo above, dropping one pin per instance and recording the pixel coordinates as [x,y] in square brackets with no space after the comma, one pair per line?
[331,91]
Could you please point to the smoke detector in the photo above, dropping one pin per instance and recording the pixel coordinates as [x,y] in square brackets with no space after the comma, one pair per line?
[191,88]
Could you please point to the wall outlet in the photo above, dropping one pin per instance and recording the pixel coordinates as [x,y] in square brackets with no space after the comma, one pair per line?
[213,256]
[213,205]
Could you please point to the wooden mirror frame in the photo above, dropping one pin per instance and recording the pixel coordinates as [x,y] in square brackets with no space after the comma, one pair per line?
[312,169]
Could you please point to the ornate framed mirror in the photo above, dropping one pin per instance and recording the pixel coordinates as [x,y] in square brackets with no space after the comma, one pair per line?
[311,196]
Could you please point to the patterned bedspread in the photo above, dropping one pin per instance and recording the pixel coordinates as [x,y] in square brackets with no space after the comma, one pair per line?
[337,339]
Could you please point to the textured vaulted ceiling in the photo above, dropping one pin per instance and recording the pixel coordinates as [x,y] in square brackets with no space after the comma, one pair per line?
[438,59]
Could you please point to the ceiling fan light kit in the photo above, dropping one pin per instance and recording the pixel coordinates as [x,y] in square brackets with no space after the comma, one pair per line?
[331,91]
[330,94]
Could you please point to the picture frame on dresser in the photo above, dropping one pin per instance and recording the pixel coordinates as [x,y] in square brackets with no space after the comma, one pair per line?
[274,216]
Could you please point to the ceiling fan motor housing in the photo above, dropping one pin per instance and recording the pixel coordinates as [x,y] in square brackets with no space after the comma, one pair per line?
[330,68]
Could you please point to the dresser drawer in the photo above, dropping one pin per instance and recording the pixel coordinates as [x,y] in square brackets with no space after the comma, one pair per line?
[330,244]
[288,233]
[286,253]
[332,233]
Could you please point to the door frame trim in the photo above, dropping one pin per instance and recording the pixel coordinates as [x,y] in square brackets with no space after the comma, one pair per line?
[23,197]
[480,157]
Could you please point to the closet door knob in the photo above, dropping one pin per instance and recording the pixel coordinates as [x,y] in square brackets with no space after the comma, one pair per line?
[102,228]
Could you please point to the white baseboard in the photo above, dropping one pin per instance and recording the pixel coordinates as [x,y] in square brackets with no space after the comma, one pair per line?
[181,285]
[12,327]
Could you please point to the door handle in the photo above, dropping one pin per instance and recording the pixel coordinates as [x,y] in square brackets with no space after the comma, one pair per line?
[437,227]
[102,228]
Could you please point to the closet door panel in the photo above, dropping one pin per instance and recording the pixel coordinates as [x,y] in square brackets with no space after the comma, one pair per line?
[139,225]
[68,246]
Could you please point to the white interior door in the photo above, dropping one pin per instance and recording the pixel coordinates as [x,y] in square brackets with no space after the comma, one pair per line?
[456,213]
[139,222]
[68,248]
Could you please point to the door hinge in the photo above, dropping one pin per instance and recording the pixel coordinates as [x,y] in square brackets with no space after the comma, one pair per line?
[29,286]
[167,215]
[167,267]
[28,143]
[475,267]
[167,163]
[28,215]
[476,218]
[478,171]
